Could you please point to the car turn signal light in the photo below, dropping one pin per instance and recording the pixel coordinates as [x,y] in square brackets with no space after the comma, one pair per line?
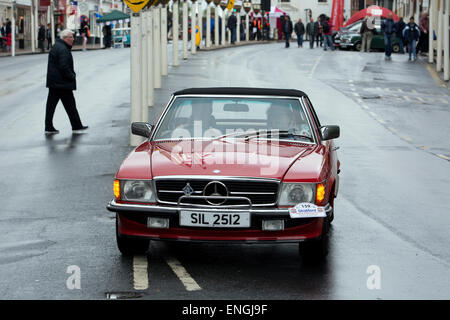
[117,189]
[320,193]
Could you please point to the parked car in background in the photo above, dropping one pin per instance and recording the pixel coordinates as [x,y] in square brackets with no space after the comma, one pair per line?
[350,38]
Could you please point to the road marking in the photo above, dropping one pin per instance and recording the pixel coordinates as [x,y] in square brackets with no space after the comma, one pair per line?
[393,129]
[414,91]
[435,76]
[140,275]
[350,81]
[355,94]
[353,89]
[443,157]
[315,66]
[381,121]
[400,90]
[365,107]
[420,99]
[189,283]
[406,98]
[373,114]
[407,138]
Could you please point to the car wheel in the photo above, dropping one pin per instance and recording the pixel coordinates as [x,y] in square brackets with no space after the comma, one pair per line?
[357,46]
[315,251]
[396,48]
[129,247]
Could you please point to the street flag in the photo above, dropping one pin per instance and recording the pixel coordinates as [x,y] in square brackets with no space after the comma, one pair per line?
[337,14]
[230,5]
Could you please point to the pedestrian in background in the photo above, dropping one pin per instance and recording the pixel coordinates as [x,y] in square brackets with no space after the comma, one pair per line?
[422,46]
[299,29]
[84,31]
[231,24]
[327,28]
[58,30]
[61,81]
[399,33]
[49,36]
[411,33]
[311,32]
[367,30]
[318,32]
[287,30]
[41,37]
[388,28]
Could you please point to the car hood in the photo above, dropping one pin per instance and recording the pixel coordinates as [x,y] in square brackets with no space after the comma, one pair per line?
[254,158]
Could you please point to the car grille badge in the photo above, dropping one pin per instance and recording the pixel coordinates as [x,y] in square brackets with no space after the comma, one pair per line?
[188,189]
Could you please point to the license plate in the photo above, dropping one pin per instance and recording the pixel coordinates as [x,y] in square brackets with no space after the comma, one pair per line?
[214,219]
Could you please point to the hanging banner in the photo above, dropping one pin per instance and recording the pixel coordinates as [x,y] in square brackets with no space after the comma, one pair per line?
[136,5]
[230,5]
[337,14]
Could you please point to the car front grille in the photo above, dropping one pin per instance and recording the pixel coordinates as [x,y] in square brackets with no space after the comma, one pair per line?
[260,193]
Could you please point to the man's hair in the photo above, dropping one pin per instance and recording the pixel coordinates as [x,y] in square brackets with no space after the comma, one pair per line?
[412,18]
[65,33]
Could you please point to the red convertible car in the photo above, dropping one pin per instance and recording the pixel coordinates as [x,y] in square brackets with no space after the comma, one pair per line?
[230,165]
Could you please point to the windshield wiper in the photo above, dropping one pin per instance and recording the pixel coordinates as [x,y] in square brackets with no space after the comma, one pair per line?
[264,132]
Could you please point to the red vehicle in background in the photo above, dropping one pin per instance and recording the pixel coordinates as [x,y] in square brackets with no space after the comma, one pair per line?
[230,165]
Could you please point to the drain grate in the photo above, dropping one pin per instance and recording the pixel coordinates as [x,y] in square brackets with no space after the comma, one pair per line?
[122,295]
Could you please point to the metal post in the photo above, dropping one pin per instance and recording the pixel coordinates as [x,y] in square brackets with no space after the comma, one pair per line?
[446,41]
[208,26]
[150,68]
[33,27]
[144,67]
[185,30]
[52,21]
[439,37]
[433,4]
[247,37]
[13,29]
[200,23]
[193,27]
[175,35]
[216,25]
[157,47]
[135,75]
[223,27]
[164,40]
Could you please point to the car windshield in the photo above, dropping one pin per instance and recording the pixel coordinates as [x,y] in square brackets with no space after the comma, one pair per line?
[213,118]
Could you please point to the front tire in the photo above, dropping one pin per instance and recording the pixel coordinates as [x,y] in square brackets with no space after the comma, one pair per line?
[396,48]
[315,251]
[358,46]
[129,247]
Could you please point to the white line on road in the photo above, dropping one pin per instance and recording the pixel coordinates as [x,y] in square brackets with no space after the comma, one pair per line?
[407,98]
[189,283]
[356,94]
[407,138]
[315,66]
[443,157]
[140,275]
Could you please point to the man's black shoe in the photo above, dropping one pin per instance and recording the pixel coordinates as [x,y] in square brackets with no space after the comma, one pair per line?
[80,130]
[53,131]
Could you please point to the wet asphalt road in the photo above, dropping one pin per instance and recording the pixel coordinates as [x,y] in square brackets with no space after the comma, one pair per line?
[393,208]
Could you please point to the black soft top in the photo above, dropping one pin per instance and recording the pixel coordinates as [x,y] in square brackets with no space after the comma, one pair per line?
[242,91]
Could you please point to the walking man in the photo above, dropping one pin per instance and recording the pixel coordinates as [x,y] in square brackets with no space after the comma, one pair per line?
[399,33]
[367,30]
[318,32]
[61,83]
[388,28]
[311,31]
[287,30]
[299,29]
[411,33]
[232,23]
[327,28]
[41,37]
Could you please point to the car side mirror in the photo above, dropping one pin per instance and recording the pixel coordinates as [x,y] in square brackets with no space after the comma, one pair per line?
[142,129]
[329,132]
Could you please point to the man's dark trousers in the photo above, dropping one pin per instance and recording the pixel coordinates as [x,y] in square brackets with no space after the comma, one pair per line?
[68,100]
[287,36]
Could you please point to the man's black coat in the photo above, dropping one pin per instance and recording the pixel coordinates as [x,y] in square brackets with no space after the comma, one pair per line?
[60,72]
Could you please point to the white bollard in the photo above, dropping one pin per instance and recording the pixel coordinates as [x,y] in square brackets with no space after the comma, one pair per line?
[185,30]
[33,27]
[247,29]
[164,41]
[52,22]
[439,33]
[223,27]
[200,24]
[175,34]
[238,27]
[150,68]
[432,17]
[144,67]
[135,75]
[208,26]
[193,27]
[156,47]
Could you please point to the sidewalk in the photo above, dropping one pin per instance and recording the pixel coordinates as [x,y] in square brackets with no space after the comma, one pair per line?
[97,47]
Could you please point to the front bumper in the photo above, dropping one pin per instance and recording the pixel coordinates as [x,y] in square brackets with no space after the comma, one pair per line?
[132,222]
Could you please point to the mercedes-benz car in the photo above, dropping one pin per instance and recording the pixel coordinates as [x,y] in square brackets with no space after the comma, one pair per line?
[238,165]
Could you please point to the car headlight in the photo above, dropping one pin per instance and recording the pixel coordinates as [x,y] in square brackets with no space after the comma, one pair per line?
[294,193]
[137,190]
